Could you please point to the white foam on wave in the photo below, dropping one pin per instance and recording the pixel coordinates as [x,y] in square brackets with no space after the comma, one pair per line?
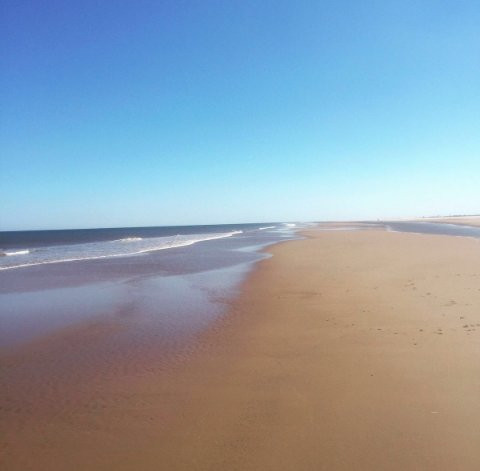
[129,239]
[290,224]
[266,227]
[16,252]
[48,262]
[96,250]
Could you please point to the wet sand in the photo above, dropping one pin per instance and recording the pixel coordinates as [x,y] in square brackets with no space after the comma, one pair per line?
[347,350]
[461,220]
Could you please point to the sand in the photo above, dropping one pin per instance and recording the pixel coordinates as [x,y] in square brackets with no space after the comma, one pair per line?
[349,350]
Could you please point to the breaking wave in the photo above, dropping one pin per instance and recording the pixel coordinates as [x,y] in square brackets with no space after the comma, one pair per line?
[15,252]
[129,239]
[98,250]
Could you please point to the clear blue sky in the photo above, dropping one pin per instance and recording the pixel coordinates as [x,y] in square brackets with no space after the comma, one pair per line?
[122,113]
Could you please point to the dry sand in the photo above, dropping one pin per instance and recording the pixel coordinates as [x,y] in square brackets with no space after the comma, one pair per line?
[346,351]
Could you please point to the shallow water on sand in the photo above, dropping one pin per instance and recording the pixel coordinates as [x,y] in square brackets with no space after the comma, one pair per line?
[434,228]
[167,294]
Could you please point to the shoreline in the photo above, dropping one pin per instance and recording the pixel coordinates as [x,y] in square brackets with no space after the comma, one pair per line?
[470,221]
[344,349]
[174,290]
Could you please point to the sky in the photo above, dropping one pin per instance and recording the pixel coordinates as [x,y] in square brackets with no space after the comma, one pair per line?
[139,113]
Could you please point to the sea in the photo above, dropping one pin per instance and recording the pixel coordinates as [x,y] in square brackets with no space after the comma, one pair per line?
[20,249]
[172,280]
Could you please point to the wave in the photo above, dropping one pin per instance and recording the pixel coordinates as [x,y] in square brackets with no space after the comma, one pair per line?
[15,252]
[128,239]
[111,249]
[266,227]
[290,224]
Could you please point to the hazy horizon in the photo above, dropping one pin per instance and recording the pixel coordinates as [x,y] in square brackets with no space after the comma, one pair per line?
[411,218]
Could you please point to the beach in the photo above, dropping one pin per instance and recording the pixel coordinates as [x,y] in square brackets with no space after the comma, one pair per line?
[344,350]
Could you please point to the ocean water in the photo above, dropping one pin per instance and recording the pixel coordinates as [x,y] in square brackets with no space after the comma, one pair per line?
[21,249]
[173,281]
